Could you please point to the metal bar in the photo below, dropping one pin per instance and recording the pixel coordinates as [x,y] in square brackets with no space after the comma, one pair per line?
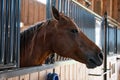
[48,9]
[11,30]
[108,70]
[65,7]
[6,31]
[77,15]
[53,2]
[72,12]
[0,30]
[62,6]
[105,46]
[115,49]
[59,5]
[2,35]
[15,34]
[15,47]
[18,31]
[70,8]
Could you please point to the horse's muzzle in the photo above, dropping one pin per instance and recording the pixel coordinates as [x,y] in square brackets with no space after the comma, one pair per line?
[95,61]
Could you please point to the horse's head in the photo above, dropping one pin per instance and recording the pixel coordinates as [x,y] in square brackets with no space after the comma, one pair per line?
[69,41]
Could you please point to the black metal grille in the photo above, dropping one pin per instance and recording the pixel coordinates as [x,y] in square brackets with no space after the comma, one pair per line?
[9,33]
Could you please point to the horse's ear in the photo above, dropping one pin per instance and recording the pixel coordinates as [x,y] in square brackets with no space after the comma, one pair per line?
[55,13]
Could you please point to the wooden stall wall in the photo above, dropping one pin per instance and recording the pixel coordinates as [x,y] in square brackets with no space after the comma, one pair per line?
[32,11]
[112,66]
[72,71]
[118,68]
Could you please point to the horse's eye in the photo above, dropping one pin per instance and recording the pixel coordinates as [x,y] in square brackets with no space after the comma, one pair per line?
[74,31]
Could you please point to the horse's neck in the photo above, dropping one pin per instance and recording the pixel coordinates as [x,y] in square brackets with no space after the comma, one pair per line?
[38,50]
[36,55]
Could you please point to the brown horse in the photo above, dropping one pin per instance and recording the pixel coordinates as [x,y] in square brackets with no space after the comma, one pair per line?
[62,36]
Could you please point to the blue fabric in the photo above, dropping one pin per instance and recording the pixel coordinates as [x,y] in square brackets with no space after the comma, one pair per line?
[52,76]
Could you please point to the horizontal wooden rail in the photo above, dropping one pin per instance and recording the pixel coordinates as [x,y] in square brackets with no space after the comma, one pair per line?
[22,71]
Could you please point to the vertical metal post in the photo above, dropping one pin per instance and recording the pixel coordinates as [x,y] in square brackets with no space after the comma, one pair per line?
[18,31]
[72,12]
[78,16]
[48,9]
[11,30]
[53,3]
[59,5]
[67,7]
[115,31]
[2,32]
[105,45]
[15,57]
[71,9]
[6,31]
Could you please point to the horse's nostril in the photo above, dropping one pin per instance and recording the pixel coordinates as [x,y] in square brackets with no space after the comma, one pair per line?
[100,55]
[92,61]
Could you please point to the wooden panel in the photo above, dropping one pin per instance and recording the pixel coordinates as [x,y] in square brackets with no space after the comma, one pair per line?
[115,9]
[66,72]
[80,1]
[71,73]
[90,7]
[34,76]
[42,75]
[118,19]
[111,8]
[63,72]
[49,71]
[93,5]
[97,71]
[13,78]
[22,10]
[24,77]
[31,12]
[74,71]
[118,69]
[97,7]
[3,78]
[36,11]
[39,12]
[78,72]
[112,64]
[84,77]
[26,13]
[57,70]
[42,12]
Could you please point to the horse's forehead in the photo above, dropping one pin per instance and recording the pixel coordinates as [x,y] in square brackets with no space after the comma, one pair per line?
[72,24]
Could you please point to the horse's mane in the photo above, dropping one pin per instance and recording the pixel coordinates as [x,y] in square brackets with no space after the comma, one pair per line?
[26,35]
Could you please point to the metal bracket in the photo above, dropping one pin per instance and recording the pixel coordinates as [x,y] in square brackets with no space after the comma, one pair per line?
[108,70]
